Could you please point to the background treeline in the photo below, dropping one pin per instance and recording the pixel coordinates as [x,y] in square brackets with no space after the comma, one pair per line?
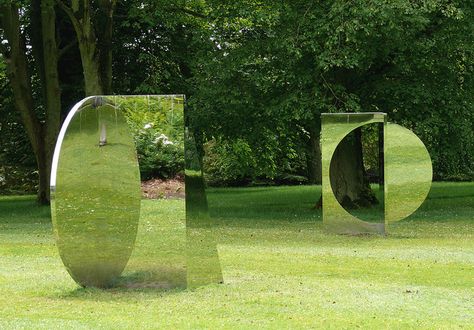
[257,75]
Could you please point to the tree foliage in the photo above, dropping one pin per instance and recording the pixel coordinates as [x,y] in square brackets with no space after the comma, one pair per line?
[276,66]
[256,72]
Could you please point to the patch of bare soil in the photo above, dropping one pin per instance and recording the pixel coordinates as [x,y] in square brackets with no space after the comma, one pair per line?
[163,189]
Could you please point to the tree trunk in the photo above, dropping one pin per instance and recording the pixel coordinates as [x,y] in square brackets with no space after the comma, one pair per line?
[347,174]
[17,70]
[313,156]
[44,173]
[52,92]
[95,49]
[42,136]
[105,44]
[90,67]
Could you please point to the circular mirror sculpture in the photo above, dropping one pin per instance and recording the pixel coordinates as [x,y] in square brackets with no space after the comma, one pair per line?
[407,172]
[335,127]
[95,192]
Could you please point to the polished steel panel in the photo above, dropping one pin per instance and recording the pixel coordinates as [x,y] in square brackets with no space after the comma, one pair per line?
[96,198]
[408,172]
[159,257]
[334,128]
[95,188]
[202,255]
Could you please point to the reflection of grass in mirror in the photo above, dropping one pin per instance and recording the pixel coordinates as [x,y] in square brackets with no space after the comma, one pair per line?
[97,196]
[158,259]
[203,264]
[408,172]
[280,271]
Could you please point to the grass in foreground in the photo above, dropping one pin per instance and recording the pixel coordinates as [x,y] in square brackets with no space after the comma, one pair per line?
[280,269]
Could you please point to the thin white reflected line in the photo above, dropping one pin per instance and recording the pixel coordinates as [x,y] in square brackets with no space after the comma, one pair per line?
[59,141]
[70,116]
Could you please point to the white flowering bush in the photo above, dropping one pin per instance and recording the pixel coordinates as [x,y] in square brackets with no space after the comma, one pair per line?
[158,155]
[158,129]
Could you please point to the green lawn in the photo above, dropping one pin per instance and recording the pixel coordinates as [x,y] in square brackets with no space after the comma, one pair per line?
[280,269]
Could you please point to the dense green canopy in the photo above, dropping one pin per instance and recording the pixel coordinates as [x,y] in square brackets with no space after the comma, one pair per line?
[257,74]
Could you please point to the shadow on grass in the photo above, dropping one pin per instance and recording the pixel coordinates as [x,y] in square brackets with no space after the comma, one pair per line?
[115,293]
[145,283]
[162,278]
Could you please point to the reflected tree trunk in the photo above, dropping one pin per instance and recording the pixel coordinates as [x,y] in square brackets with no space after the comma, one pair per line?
[347,174]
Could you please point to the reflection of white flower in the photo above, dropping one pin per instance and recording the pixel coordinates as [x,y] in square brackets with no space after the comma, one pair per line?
[163,139]
[147,126]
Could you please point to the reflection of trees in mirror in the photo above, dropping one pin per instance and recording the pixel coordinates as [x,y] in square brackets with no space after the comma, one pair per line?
[350,166]
[357,162]
[202,259]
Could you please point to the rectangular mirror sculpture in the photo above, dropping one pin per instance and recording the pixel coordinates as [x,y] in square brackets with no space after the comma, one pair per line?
[336,129]
[107,235]
[404,172]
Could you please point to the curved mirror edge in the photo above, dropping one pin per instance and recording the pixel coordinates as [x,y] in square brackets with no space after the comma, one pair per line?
[409,173]
[334,128]
[93,244]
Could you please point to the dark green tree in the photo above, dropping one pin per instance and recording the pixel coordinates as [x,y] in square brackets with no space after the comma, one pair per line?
[30,51]
[277,66]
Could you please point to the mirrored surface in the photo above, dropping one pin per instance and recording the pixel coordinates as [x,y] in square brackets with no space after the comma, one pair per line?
[335,128]
[362,146]
[95,193]
[97,196]
[408,172]
[159,258]
[202,255]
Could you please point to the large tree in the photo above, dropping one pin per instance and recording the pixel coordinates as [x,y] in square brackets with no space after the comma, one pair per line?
[31,35]
[93,24]
[30,50]
[57,51]
[257,71]
[281,64]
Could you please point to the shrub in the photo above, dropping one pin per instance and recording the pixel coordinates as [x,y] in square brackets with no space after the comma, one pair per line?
[228,163]
[157,126]
[158,156]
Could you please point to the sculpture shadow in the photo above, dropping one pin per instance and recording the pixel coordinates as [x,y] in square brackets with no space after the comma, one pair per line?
[148,283]
[157,279]
[117,294]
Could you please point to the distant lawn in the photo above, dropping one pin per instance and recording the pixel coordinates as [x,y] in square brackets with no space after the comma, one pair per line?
[280,269]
